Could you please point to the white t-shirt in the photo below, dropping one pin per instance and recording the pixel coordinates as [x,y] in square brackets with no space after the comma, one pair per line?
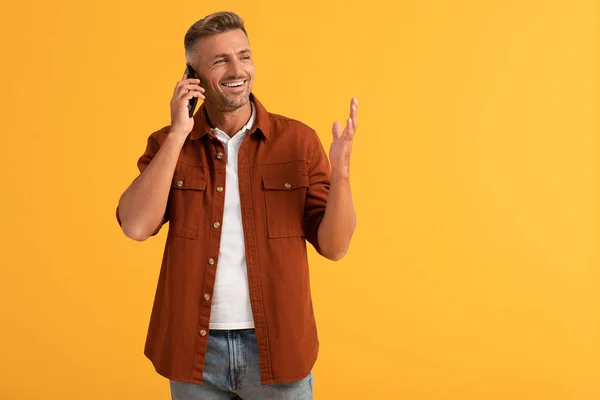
[231,298]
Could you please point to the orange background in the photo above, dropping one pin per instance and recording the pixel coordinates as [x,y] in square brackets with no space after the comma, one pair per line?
[474,272]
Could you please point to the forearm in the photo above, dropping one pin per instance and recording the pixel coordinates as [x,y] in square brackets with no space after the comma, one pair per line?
[143,204]
[339,221]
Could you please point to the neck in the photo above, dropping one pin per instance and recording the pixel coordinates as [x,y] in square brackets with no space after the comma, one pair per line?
[229,122]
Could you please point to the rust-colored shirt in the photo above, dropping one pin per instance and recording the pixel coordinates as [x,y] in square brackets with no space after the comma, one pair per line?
[284,184]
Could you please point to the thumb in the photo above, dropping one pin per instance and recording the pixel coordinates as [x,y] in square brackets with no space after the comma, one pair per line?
[337,129]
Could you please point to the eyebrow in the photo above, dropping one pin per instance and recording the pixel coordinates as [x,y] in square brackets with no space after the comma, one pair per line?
[225,55]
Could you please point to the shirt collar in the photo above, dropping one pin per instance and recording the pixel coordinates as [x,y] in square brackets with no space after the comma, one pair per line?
[259,115]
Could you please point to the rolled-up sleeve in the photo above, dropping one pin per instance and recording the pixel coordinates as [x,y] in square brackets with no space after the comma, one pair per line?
[317,193]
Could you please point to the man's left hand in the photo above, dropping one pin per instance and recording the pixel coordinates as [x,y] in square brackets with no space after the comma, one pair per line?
[341,147]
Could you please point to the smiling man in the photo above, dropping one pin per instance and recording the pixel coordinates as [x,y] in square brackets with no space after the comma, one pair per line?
[243,191]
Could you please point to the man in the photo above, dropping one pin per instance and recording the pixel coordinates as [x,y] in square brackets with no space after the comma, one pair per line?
[243,190]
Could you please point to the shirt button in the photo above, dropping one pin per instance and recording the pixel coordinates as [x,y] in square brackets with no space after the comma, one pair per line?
[216,225]
[211,261]
[202,332]
[207,297]
[287,185]
[219,155]
[220,189]
[179,183]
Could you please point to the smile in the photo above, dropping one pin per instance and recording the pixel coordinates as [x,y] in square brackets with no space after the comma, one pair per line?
[234,84]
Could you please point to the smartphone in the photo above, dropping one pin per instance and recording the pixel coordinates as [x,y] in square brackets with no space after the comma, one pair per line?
[191,74]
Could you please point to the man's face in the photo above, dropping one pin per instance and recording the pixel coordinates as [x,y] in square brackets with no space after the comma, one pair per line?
[224,65]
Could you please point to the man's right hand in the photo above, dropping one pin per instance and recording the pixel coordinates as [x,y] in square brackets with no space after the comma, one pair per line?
[186,89]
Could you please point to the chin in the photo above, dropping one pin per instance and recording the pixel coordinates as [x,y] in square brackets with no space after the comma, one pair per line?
[236,103]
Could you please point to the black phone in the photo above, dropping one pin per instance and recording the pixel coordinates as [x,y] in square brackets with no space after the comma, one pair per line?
[191,74]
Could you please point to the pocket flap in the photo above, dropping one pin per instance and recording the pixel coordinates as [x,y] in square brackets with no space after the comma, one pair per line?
[188,182]
[285,182]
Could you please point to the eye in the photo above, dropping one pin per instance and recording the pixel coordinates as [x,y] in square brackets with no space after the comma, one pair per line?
[220,61]
[245,57]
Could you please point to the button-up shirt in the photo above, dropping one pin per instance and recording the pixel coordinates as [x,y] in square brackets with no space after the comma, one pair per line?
[283,174]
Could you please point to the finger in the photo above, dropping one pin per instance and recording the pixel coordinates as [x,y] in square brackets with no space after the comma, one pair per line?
[188,82]
[354,113]
[349,131]
[194,93]
[194,86]
[183,90]
[180,92]
[193,81]
[183,78]
[184,83]
[336,129]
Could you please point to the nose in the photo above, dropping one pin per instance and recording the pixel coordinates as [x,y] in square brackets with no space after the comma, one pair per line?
[236,68]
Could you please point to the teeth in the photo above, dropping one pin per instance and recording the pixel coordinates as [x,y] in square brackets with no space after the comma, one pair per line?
[234,84]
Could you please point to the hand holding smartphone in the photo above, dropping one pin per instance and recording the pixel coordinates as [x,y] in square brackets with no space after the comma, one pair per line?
[184,100]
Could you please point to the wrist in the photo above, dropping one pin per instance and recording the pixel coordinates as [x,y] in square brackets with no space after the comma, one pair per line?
[340,175]
[177,136]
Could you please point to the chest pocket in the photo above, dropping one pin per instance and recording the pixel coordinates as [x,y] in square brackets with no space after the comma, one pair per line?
[185,205]
[285,197]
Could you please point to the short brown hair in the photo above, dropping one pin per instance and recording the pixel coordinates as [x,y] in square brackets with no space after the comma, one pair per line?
[219,22]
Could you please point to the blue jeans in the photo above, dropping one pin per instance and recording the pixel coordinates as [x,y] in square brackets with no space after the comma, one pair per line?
[231,372]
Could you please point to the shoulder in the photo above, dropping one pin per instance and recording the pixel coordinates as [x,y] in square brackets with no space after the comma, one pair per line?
[290,124]
[290,127]
[157,138]
[160,135]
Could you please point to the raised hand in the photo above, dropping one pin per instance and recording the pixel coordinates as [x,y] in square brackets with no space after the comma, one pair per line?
[341,147]
[186,89]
